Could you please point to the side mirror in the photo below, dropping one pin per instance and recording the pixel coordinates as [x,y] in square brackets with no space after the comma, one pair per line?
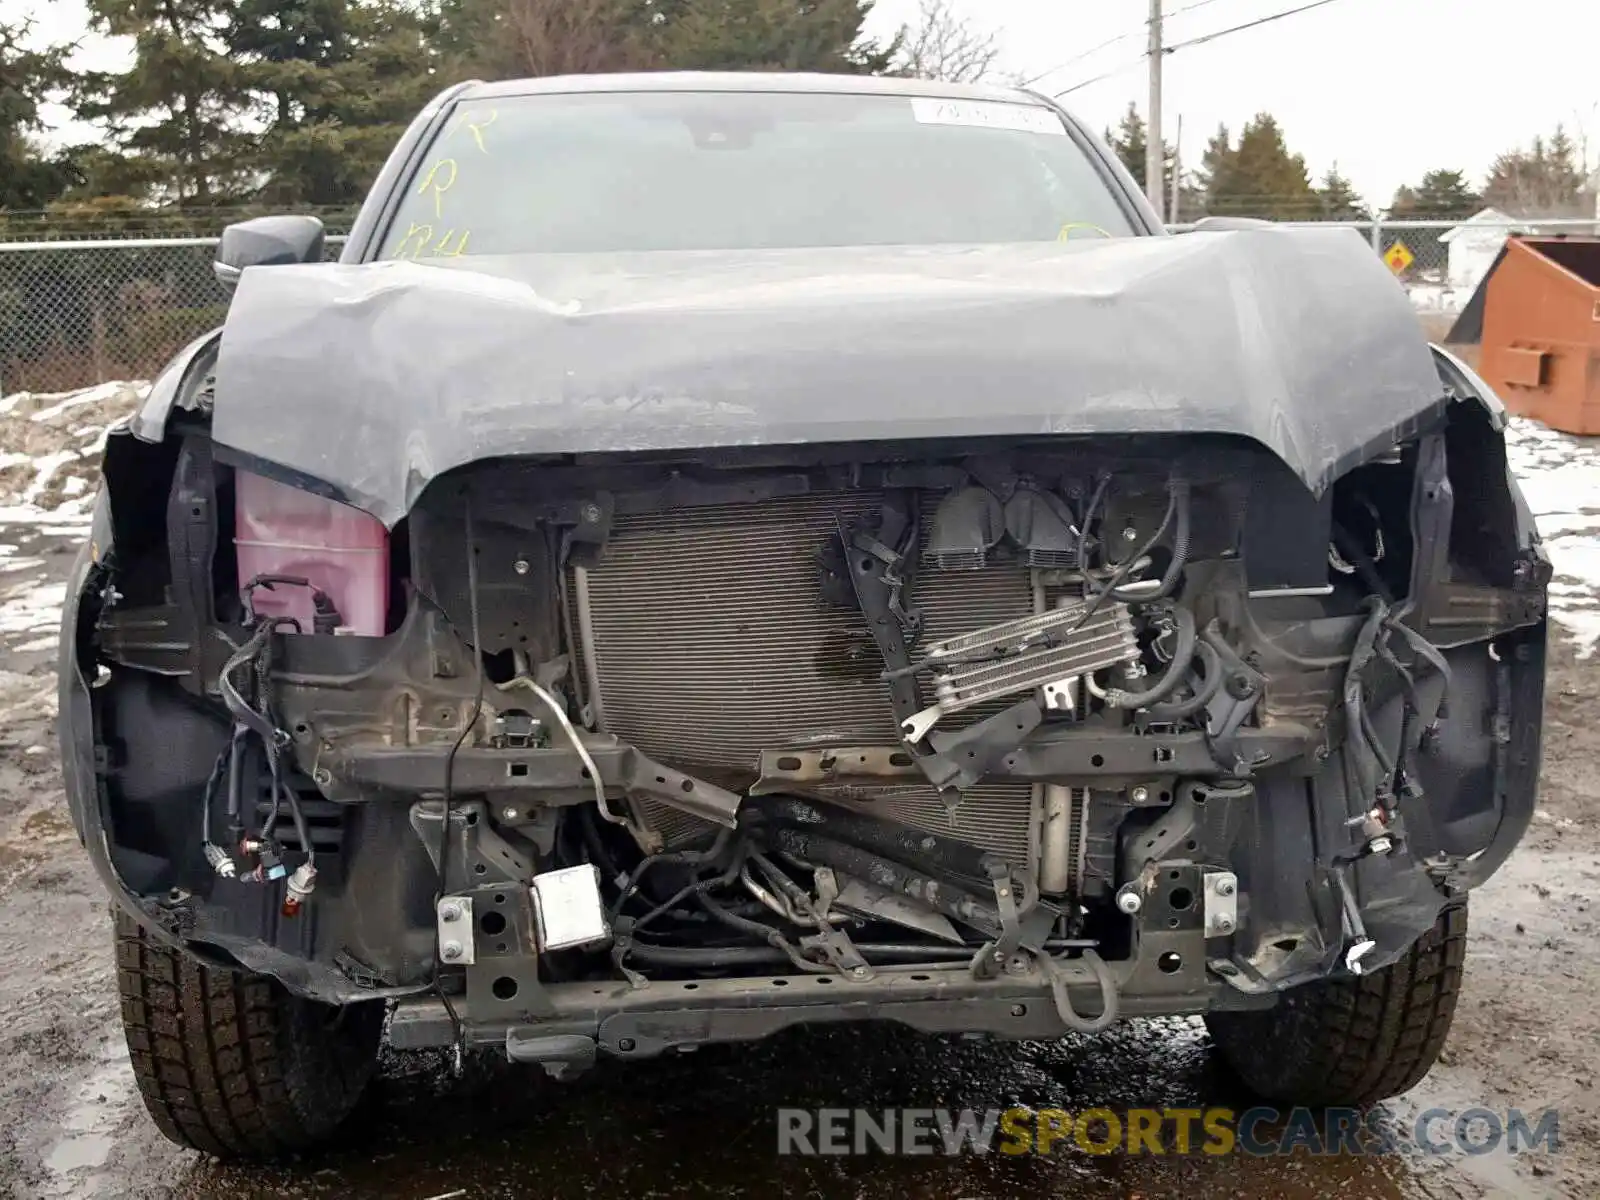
[266,242]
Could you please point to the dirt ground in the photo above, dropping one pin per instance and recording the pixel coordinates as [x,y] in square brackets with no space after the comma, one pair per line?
[71,1124]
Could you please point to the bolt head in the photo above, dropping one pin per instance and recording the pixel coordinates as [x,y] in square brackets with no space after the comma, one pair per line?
[1225,887]
[591,513]
[1382,845]
[624,1044]
[1129,902]
[509,814]
[521,566]
[450,911]
[1130,534]
[1140,794]
[859,972]
[450,951]
[1224,925]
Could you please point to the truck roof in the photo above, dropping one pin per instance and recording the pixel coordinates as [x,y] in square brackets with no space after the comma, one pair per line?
[746,81]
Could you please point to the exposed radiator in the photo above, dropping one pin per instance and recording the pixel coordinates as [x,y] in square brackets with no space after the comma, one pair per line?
[712,643]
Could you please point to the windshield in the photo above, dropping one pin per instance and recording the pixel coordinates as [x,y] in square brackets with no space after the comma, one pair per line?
[645,171]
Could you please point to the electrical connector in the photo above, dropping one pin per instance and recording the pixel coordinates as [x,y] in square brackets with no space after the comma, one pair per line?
[219,859]
[299,888]
[272,867]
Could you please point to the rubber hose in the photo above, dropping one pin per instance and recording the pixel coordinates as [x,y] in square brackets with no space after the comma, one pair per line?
[1172,676]
[1177,710]
[1180,546]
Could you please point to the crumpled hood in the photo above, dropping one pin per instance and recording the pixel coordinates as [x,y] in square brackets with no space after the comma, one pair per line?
[375,379]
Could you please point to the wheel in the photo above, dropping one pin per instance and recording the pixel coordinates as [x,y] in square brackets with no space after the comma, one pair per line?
[1352,1040]
[232,1064]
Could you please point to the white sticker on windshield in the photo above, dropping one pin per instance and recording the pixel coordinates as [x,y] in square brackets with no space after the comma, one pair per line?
[988,114]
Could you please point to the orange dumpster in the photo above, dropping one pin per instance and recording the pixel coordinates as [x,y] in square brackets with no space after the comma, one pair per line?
[1541,331]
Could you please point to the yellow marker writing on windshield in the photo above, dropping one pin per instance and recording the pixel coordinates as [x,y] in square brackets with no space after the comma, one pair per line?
[1070,227]
[477,127]
[442,247]
[441,177]
[422,232]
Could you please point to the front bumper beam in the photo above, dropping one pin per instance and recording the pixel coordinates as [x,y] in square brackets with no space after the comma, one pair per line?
[642,1022]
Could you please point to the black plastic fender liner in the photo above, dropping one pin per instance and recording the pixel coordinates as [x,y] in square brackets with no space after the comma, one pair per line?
[1518,749]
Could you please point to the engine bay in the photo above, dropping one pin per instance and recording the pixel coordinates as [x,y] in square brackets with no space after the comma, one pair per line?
[1054,711]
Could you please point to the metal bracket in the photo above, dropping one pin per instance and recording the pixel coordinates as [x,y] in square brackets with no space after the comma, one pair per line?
[456,942]
[1220,892]
[781,770]
[840,952]
[998,954]
[476,852]
[1242,690]
[877,595]
[967,755]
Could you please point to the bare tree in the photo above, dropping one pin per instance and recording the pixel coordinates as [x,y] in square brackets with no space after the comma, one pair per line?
[945,46]
[570,37]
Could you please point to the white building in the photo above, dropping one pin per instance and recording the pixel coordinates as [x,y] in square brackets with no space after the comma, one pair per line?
[1471,247]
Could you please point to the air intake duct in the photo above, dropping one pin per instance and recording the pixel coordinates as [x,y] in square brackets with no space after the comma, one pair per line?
[967,526]
[1041,525]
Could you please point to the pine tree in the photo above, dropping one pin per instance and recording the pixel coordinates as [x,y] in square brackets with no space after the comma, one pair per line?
[502,38]
[178,111]
[1130,142]
[336,82]
[769,35]
[1339,199]
[1258,177]
[28,178]
[1442,195]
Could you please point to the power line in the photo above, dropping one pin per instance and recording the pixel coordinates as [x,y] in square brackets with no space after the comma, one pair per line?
[1178,12]
[1109,42]
[1197,41]
[1077,58]
[1127,66]
[1278,16]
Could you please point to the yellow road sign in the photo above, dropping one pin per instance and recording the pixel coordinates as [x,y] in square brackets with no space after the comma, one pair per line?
[1399,257]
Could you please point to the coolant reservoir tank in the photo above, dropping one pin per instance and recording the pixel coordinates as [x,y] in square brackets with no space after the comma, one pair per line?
[281,530]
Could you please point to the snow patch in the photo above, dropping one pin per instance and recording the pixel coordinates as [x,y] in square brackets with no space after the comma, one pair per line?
[1560,478]
[50,443]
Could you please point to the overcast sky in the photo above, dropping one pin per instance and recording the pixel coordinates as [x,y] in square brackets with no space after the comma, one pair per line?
[1384,88]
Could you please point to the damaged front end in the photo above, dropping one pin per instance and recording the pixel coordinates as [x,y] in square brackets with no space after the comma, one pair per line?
[629,752]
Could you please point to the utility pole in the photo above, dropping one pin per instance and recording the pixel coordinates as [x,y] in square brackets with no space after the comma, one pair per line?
[1155,149]
[1177,171]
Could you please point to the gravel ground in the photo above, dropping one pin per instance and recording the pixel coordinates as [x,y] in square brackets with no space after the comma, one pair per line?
[1527,1034]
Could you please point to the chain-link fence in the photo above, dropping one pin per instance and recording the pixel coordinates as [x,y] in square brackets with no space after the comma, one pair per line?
[74,313]
[79,312]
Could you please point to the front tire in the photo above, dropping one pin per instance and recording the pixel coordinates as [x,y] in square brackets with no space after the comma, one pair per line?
[232,1064]
[1352,1040]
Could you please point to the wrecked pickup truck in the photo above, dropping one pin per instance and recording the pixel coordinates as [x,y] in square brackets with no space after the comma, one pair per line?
[724,552]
